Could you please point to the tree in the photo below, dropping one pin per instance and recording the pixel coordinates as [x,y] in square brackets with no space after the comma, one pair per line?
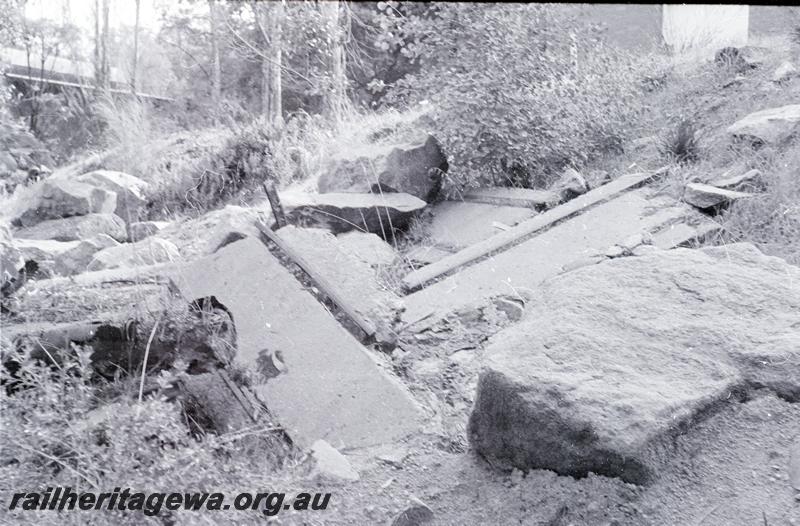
[269,18]
[216,73]
[337,90]
[135,49]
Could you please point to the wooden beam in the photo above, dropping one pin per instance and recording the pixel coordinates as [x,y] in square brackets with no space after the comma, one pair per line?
[321,282]
[275,204]
[502,240]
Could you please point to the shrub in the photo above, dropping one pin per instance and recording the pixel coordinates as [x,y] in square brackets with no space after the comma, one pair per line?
[681,145]
[517,94]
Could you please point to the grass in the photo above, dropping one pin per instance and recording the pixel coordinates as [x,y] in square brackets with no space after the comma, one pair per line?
[687,118]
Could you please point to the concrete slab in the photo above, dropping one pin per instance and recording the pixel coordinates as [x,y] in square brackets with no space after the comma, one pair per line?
[331,389]
[522,267]
[538,223]
[459,224]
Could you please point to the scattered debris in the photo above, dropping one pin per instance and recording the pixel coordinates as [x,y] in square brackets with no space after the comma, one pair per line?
[331,463]
[784,72]
[415,514]
[770,126]
[750,180]
[570,185]
[704,196]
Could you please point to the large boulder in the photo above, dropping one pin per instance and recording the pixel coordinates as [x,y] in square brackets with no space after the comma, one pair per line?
[57,198]
[414,168]
[614,360]
[770,126]
[146,252]
[130,190]
[143,229]
[76,227]
[377,213]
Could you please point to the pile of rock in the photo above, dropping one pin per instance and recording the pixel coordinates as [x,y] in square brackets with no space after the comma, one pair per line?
[22,157]
[75,223]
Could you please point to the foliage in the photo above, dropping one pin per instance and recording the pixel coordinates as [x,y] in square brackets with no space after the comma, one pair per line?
[516,94]
[58,429]
[682,145]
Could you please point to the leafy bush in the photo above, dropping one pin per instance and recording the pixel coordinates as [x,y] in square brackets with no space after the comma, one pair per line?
[520,91]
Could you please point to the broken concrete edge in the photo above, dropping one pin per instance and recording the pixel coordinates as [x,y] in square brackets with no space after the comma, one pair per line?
[503,240]
[635,463]
[320,281]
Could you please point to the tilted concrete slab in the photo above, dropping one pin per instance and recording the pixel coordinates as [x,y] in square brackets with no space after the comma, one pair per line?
[330,387]
[522,267]
[458,224]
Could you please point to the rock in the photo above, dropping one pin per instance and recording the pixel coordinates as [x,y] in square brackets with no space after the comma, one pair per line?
[613,360]
[40,255]
[204,235]
[376,213]
[570,185]
[705,196]
[77,259]
[750,180]
[512,307]
[143,229]
[369,248]
[130,190]
[331,463]
[57,198]
[417,513]
[76,228]
[770,126]
[784,72]
[146,252]
[414,168]
[11,261]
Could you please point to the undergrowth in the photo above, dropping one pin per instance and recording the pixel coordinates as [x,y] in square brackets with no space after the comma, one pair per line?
[60,428]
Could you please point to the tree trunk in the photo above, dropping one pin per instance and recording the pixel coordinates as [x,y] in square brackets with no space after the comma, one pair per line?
[135,48]
[98,67]
[336,99]
[216,75]
[106,44]
[271,25]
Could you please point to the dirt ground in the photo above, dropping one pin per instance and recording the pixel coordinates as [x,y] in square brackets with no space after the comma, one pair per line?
[729,470]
